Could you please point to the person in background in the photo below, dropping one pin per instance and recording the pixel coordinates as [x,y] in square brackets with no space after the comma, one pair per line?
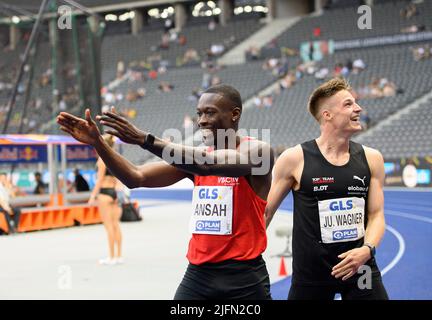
[80,184]
[105,194]
[40,185]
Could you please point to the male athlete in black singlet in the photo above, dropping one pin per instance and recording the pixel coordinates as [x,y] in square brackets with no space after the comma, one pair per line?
[338,203]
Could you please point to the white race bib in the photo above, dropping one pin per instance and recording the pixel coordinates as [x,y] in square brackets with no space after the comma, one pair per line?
[342,219]
[212,210]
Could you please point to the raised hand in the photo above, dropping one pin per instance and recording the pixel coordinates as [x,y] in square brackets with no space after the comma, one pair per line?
[83,130]
[123,129]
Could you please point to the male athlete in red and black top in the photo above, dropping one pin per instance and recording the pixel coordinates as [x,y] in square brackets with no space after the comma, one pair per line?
[232,177]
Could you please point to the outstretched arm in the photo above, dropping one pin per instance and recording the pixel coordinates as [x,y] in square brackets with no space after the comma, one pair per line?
[149,175]
[195,160]
[283,180]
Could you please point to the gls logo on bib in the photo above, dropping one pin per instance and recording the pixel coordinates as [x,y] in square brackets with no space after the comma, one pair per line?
[208,194]
[341,205]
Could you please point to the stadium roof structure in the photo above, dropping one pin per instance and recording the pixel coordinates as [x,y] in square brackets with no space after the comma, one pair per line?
[32,6]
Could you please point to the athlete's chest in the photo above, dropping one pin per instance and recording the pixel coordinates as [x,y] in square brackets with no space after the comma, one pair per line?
[325,182]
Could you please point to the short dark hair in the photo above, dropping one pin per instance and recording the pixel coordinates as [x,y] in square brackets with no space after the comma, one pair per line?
[326,90]
[228,92]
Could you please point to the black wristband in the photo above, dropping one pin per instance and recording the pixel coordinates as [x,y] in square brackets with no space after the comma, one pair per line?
[149,141]
[372,249]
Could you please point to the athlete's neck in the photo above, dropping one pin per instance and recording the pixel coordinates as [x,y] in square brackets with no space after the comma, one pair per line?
[333,146]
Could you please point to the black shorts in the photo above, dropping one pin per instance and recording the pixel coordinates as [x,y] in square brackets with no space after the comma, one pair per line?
[349,291]
[109,192]
[231,279]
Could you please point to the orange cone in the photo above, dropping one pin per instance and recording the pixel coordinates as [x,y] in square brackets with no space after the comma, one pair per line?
[282,269]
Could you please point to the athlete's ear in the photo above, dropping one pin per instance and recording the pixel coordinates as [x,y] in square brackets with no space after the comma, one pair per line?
[326,114]
[236,113]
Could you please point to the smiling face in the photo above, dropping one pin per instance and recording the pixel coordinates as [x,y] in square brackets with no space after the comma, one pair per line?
[341,111]
[216,112]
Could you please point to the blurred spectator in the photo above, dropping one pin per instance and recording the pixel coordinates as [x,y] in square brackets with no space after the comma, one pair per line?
[215,81]
[413,29]
[182,40]
[132,95]
[80,183]
[153,74]
[358,65]
[191,55]
[389,89]
[173,35]
[40,185]
[11,214]
[216,49]
[422,52]
[322,73]
[257,100]
[288,81]
[120,69]
[409,11]
[253,53]
[211,25]
[164,41]
[62,105]
[195,95]
[317,32]
[364,119]
[9,186]
[168,24]
[165,86]
[268,101]
[206,80]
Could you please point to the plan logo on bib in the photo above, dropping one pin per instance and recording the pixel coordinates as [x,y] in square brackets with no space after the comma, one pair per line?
[345,234]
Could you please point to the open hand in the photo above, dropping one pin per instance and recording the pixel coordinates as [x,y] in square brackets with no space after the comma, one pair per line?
[352,261]
[83,130]
[123,129]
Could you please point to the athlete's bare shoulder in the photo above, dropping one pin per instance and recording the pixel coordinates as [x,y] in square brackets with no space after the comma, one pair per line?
[292,156]
[372,154]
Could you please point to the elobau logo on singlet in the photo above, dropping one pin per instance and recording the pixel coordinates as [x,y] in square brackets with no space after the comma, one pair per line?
[341,205]
[357,188]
